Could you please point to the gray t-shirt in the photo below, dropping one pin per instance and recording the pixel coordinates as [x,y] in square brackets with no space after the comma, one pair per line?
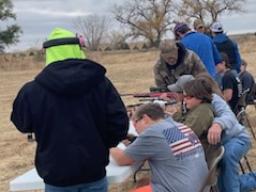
[175,156]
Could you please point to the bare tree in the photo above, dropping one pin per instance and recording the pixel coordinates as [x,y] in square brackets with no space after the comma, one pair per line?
[208,11]
[150,19]
[117,39]
[93,27]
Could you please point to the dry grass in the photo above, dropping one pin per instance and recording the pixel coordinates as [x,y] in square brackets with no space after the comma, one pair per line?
[130,72]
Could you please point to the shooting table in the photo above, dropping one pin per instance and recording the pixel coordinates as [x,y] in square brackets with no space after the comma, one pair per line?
[30,181]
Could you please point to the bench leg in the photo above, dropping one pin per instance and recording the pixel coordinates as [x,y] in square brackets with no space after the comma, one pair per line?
[247,165]
[250,126]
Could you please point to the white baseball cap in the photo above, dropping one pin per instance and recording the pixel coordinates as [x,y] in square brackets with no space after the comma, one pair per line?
[217,27]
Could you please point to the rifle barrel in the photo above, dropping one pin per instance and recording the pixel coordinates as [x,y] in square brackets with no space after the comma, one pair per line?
[127,94]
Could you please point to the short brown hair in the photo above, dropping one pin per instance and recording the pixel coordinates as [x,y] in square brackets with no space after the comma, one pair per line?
[206,77]
[153,110]
[199,89]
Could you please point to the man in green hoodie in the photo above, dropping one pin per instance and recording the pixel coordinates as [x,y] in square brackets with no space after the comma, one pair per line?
[76,115]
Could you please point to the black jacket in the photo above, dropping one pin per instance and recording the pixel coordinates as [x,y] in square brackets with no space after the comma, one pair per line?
[76,115]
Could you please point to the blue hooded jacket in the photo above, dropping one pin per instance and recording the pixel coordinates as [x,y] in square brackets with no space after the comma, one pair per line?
[204,47]
[233,53]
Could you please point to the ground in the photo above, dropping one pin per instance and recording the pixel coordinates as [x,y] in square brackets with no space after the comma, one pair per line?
[129,71]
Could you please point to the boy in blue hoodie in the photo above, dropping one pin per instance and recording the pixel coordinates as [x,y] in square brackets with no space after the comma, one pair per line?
[226,45]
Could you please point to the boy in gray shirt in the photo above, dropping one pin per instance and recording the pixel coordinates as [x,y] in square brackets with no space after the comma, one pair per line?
[174,153]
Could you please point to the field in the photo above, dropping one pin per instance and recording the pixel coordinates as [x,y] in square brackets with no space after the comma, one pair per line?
[129,71]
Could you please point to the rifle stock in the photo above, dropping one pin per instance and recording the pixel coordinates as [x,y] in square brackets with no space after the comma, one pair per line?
[150,94]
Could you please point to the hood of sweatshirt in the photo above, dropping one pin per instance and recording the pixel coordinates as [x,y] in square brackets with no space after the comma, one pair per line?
[219,38]
[71,76]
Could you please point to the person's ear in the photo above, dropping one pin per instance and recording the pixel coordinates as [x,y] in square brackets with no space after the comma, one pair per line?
[146,119]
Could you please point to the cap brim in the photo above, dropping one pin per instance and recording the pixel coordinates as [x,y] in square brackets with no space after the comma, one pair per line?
[216,30]
[174,88]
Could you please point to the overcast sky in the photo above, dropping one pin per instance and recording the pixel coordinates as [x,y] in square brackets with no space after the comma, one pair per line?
[37,18]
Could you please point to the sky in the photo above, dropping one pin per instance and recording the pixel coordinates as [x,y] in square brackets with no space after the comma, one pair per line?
[37,18]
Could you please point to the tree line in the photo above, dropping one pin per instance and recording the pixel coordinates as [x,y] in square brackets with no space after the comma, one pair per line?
[147,20]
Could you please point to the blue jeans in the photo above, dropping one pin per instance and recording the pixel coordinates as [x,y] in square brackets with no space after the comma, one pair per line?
[97,186]
[229,178]
[248,182]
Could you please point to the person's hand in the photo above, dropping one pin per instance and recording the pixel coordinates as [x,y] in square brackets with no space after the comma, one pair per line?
[126,142]
[178,97]
[164,96]
[129,139]
[172,109]
[214,134]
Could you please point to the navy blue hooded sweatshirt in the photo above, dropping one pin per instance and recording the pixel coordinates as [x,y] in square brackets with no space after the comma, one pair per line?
[76,115]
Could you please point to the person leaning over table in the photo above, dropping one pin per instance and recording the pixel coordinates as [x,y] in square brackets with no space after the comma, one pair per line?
[175,60]
[76,115]
[201,44]
[173,168]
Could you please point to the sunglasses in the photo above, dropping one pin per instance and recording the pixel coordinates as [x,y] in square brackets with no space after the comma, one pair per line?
[185,96]
[188,97]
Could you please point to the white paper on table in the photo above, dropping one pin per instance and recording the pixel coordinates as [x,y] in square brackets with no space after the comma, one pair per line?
[132,129]
[120,146]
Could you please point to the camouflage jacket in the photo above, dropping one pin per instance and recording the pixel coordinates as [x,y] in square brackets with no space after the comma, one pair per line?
[191,64]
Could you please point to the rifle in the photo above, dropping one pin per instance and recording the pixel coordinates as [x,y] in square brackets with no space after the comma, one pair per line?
[157,99]
[155,92]
[151,94]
